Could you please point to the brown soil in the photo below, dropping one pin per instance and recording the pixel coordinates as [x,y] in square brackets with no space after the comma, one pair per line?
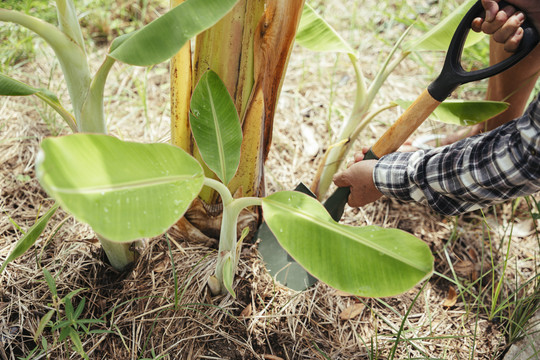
[138,307]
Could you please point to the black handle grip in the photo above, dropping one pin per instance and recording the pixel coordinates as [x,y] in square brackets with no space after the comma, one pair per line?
[453,74]
[335,204]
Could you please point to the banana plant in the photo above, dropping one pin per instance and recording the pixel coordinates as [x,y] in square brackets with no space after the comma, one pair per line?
[153,44]
[134,186]
[315,34]
[127,191]
[223,102]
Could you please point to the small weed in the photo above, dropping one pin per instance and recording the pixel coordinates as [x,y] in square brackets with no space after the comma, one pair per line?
[519,308]
[16,46]
[534,205]
[326,357]
[42,7]
[23,178]
[64,320]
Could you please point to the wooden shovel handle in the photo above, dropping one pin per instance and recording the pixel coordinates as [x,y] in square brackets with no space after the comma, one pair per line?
[411,119]
[391,140]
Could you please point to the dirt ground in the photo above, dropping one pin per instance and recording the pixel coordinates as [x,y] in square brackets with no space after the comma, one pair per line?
[162,307]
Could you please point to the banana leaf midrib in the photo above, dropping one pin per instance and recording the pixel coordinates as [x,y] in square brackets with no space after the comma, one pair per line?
[219,136]
[127,185]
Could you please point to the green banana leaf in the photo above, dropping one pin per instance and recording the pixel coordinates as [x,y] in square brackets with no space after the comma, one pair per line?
[463,112]
[315,34]
[12,87]
[165,36]
[365,261]
[216,126]
[438,38]
[123,190]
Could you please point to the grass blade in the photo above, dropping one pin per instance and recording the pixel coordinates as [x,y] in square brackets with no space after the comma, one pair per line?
[42,324]
[30,237]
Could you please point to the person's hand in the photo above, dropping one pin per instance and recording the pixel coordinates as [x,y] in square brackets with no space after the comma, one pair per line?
[359,177]
[504,24]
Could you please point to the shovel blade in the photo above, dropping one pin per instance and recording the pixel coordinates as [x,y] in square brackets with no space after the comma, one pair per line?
[279,263]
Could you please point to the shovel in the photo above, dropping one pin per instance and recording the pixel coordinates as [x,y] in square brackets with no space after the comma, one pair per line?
[278,261]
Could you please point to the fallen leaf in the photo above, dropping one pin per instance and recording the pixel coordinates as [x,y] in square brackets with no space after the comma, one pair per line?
[352,311]
[92,240]
[246,312]
[464,268]
[451,298]
[473,255]
[271,357]
[474,276]
[161,267]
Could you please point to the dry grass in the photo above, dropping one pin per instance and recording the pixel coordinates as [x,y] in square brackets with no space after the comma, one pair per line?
[162,306]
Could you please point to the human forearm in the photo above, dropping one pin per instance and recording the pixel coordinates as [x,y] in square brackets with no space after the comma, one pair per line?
[469,174]
[513,85]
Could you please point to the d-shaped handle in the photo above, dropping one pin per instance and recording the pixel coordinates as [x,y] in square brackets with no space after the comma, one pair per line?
[453,74]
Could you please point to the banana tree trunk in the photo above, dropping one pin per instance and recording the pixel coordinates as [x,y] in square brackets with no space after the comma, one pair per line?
[249,50]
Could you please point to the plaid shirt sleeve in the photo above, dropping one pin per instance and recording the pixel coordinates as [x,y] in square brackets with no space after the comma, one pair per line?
[469,174]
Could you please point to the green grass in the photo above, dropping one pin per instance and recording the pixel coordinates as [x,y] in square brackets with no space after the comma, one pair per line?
[507,301]
[42,7]
[64,322]
[17,44]
[102,21]
[501,294]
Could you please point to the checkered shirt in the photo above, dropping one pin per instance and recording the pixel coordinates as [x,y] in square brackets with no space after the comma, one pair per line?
[470,174]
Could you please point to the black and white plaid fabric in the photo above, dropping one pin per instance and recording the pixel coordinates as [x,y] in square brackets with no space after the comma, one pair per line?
[471,173]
